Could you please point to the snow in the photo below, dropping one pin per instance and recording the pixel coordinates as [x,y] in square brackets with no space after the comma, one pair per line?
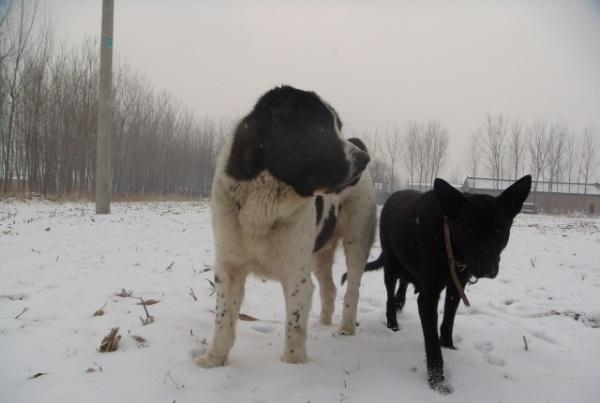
[63,263]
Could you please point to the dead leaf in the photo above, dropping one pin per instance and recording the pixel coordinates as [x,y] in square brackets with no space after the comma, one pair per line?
[248,318]
[38,375]
[139,339]
[149,302]
[100,311]
[90,369]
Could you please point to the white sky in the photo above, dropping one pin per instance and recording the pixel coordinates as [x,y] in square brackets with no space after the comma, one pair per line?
[378,63]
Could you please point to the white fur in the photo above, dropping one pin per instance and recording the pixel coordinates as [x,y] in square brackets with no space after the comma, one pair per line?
[263,226]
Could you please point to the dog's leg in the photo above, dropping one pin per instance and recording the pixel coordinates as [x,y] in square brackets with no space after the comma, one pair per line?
[450,306]
[390,278]
[322,262]
[401,294]
[298,290]
[428,301]
[229,287]
[357,253]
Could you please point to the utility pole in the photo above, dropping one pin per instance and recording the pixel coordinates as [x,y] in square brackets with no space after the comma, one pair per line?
[103,170]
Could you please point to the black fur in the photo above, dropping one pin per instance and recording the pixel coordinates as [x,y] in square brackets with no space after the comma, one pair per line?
[326,230]
[319,208]
[413,250]
[295,136]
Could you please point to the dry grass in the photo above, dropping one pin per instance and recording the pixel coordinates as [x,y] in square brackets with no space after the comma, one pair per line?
[110,342]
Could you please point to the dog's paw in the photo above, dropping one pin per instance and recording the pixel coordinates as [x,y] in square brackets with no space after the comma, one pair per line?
[438,382]
[442,387]
[346,330]
[210,361]
[294,358]
[325,320]
[393,326]
[448,344]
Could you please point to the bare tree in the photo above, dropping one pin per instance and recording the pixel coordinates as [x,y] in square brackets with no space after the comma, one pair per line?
[556,148]
[409,151]
[158,147]
[494,134]
[437,139]
[516,148]
[18,26]
[378,168]
[473,154]
[589,155]
[538,148]
[569,164]
[393,144]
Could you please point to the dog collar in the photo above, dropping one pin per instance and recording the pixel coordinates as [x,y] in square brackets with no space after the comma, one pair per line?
[452,264]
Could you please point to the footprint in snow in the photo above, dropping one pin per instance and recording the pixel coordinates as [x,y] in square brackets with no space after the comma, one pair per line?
[494,360]
[483,346]
[486,348]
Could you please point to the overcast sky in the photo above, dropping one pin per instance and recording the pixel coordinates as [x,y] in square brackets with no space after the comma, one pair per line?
[378,63]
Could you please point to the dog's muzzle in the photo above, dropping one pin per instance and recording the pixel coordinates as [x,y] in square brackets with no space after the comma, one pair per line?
[485,270]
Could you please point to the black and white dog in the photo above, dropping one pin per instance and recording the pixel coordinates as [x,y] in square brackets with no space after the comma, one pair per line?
[413,250]
[287,188]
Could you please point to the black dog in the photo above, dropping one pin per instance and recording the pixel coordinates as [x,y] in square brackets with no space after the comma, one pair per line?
[413,250]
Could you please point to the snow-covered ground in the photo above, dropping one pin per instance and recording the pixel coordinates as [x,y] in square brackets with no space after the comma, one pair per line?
[63,263]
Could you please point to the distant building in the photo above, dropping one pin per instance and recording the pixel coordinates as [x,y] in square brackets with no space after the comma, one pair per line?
[546,197]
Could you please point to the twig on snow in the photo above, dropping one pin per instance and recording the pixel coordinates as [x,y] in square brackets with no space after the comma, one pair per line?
[22,312]
[212,285]
[149,318]
[170,377]
[526,346]
[193,294]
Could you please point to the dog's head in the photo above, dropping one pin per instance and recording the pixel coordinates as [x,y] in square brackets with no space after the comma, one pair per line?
[480,224]
[296,136]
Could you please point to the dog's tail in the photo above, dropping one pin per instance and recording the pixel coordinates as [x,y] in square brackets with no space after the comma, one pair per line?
[374,265]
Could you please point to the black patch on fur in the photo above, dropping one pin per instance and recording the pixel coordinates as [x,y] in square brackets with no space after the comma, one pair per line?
[358,142]
[292,134]
[319,208]
[327,230]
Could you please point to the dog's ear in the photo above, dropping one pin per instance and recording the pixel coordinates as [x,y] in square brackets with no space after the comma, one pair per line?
[449,198]
[514,196]
[246,158]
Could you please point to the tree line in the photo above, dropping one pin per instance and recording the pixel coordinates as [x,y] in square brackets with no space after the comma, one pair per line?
[48,112]
[500,148]
[551,151]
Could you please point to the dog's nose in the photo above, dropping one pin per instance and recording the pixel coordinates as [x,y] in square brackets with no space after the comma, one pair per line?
[361,159]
